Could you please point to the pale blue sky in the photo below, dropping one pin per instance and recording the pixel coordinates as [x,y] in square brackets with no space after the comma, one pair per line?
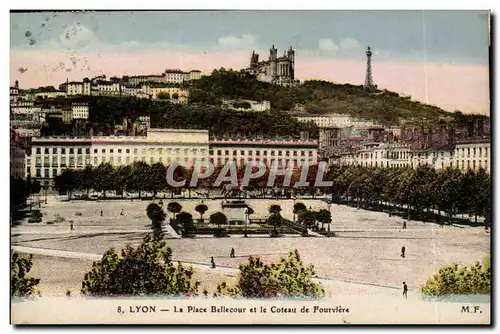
[460,36]
[437,57]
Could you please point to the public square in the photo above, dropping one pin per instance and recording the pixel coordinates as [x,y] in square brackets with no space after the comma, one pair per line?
[363,257]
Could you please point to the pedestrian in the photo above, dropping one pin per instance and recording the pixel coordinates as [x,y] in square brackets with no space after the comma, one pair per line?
[405,290]
[403,249]
[71,225]
[101,213]
[232,254]
[404,225]
[121,213]
[212,261]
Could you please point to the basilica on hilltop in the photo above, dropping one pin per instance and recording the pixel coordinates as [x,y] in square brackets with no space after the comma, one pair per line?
[276,70]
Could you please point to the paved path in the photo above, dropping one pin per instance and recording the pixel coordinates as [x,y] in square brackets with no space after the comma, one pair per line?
[229,271]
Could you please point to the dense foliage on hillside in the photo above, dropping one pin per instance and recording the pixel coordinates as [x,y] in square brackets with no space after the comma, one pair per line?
[317,96]
[107,112]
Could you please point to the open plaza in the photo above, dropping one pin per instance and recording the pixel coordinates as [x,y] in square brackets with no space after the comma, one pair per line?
[362,258]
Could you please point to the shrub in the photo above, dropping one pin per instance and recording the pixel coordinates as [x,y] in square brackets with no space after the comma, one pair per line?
[145,270]
[287,278]
[22,284]
[456,280]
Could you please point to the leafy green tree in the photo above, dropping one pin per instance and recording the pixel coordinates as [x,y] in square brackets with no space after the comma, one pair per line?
[103,180]
[249,211]
[21,283]
[274,208]
[201,209]
[274,220]
[174,208]
[324,217]
[157,216]
[147,270]
[285,279]
[19,193]
[457,280]
[186,219]
[307,218]
[218,219]
[65,182]
[299,207]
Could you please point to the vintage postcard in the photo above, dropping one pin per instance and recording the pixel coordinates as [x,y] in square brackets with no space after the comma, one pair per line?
[250,167]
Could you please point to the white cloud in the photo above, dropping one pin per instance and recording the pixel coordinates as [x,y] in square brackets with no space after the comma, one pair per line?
[326,44]
[233,42]
[349,44]
[77,37]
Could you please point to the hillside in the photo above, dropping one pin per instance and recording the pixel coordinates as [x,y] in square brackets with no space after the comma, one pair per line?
[317,97]
[107,112]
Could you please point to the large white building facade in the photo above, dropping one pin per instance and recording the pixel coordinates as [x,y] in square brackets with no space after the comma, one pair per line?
[51,155]
[473,155]
[281,153]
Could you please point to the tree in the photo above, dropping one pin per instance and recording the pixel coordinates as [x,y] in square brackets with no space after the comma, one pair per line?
[65,182]
[285,279]
[174,208]
[249,211]
[307,218]
[156,214]
[299,207]
[218,219]
[21,283]
[324,217]
[147,270]
[103,180]
[19,192]
[456,280]
[275,220]
[274,208]
[201,209]
[186,219]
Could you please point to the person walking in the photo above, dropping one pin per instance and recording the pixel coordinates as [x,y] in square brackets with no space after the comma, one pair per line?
[212,261]
[404,225]
[405,290]
[101,213]
[71,225]
[121,213]
[403,249]
[232,254]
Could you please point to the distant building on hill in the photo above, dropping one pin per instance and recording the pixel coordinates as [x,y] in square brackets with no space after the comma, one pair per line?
[276,70]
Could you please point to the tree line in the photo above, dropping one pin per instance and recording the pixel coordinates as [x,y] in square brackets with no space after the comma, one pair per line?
[420,191]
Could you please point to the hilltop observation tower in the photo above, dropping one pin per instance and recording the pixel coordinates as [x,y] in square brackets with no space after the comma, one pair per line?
[369,85]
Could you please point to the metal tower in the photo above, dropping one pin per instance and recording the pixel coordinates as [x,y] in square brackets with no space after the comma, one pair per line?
[368,78]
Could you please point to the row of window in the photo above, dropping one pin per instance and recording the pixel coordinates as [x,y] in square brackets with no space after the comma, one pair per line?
[63,150]
[480,164]
[265,153]
[186,151]
[56,150]
[479,151]
[271,162]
